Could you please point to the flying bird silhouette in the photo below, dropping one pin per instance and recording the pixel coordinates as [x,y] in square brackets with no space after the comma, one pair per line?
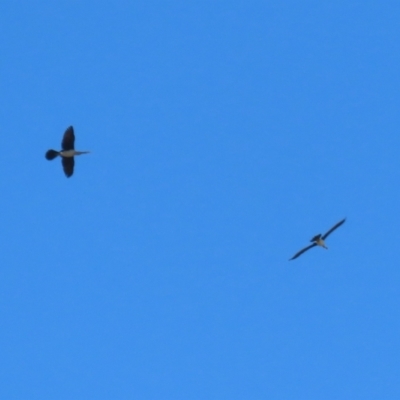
[318,240]
[67,153]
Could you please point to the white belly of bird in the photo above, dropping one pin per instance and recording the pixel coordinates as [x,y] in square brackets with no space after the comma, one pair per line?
[67,153]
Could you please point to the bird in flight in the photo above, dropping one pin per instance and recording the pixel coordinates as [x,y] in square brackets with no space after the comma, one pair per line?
[67,153]
[318,240]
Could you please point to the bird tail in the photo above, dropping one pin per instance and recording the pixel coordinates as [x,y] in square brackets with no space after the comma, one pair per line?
[51,154]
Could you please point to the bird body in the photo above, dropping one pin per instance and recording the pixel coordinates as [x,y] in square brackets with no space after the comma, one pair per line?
[67,153]
[72,153]
[318,240]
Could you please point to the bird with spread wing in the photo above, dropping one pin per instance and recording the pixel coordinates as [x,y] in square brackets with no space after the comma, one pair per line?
[67,153]
[318,240]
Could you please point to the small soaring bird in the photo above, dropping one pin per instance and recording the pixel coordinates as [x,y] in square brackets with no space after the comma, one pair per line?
[318,240]
[67,153]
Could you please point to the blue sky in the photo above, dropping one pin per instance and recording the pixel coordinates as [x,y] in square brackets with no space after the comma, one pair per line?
[223,136]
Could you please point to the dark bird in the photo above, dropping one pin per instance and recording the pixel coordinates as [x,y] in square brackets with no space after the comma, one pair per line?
[67,153]
[318,240]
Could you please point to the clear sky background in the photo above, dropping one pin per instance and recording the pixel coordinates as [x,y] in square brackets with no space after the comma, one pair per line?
[224,135]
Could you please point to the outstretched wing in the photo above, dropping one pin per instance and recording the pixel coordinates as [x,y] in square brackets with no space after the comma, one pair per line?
[68,165]
[68,141]
[302,251]
[333,228]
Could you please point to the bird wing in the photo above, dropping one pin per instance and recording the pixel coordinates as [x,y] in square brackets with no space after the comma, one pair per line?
[68,165]
[68,139]
[299,253]
[333,228]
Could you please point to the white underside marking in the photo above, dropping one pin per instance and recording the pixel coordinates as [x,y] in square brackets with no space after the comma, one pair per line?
[67,153]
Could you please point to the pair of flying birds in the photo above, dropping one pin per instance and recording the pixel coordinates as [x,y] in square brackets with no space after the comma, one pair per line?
[67,160]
